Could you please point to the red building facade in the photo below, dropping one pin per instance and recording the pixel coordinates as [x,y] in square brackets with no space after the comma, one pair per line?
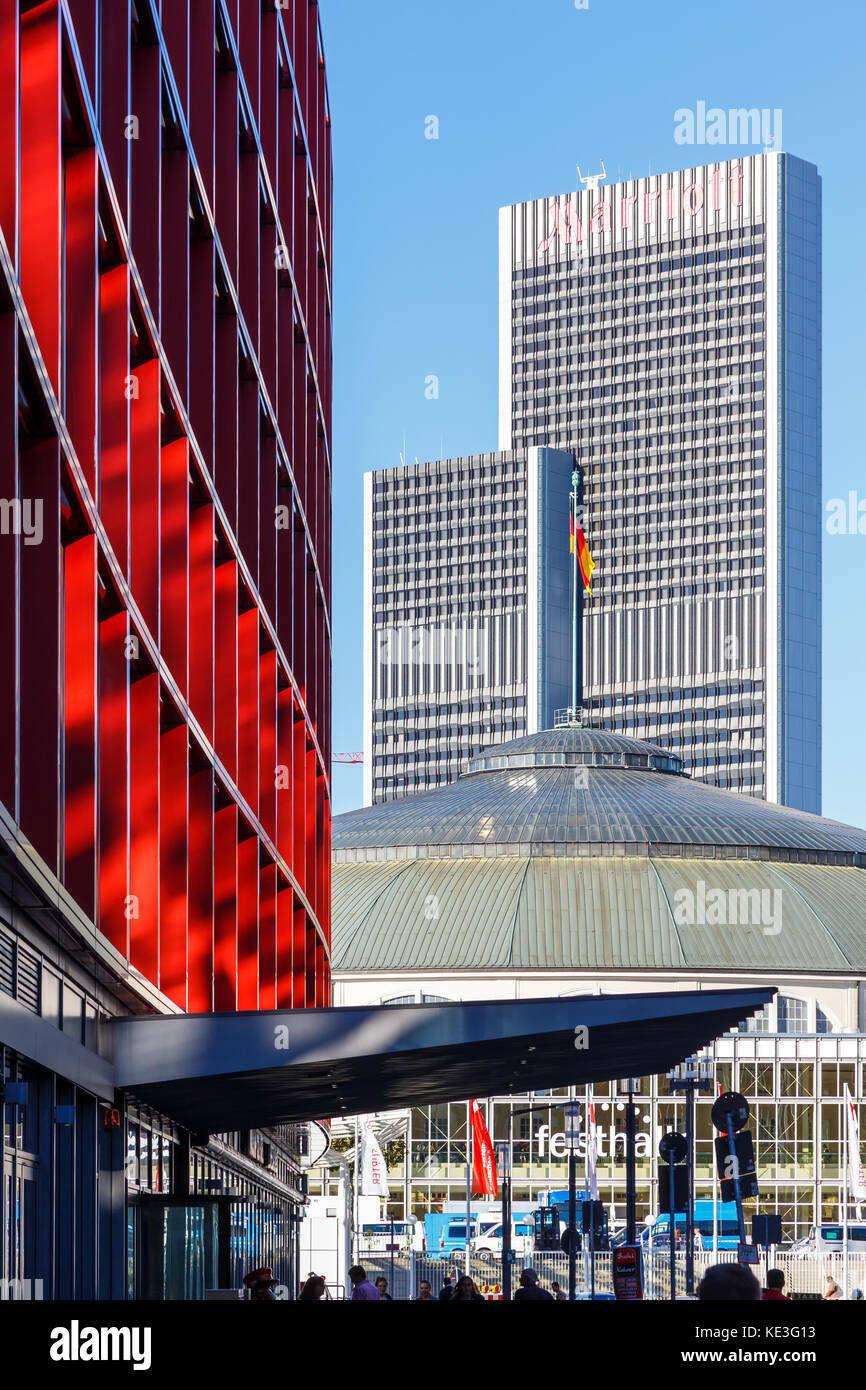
[165,483]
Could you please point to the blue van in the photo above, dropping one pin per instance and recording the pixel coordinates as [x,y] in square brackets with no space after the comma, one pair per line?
[728,1232]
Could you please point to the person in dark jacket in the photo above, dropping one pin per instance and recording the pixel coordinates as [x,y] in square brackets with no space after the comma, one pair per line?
[775,1287]
[530,1290]
[446,1293]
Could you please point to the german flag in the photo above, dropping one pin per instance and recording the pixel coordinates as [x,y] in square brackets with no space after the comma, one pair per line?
[584,559]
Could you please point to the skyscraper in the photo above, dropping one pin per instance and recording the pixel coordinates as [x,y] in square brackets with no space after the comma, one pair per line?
[165,406]
[467,622]
[668,330]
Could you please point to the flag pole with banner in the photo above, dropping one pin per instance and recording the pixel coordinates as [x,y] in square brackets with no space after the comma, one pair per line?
[481,1175]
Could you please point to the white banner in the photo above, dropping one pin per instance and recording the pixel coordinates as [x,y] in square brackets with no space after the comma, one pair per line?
[856,1176]
[374,1174]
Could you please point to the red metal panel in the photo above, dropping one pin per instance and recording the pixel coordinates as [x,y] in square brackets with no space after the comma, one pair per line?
[80,308]
[114,780]
[144,491]
[80,636]
[225,920]
[114,102]
[174,593]
[174,266]
[145,147]
[144,825]
[248,706]
[267,743]
[248,923]
[201,891]
[115,387]
[226,665]
[201,616]
[9,69]
[39,688]
[226,414]
[173,849]
[268,937]
[41,166]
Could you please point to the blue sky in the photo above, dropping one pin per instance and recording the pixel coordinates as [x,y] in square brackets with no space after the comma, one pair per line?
[524,90]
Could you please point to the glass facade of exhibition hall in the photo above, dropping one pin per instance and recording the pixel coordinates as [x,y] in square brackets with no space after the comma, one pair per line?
[679,355]
[794,1084]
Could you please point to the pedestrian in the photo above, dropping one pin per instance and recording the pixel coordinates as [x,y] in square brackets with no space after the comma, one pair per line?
[260,1283]
[729,1283]
[558,1293]
[832,1292]
[447,1290]
[313,1289]
[382,1286]
[425,1292]
[362,1289]
[775,1286]
[530,1290]
[466,1291]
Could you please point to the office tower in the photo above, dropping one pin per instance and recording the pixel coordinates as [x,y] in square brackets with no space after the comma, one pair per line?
[668,330]
[467,619]
[165,206]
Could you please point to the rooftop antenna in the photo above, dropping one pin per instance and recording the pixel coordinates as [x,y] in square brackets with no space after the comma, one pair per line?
[592,181]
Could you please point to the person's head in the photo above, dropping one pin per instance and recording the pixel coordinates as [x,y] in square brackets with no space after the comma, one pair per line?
[424,1289]
[857,1293]
[262,1291]
[528,1276]
[465,1287]
[314,1288]
[357,1274]
[729,1283]
[775,1279]
[555,1287]
[382,1284]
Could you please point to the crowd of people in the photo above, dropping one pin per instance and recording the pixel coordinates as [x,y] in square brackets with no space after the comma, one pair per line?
[723,1283]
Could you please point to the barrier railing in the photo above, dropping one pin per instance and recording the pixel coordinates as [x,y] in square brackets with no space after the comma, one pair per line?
[805,1277]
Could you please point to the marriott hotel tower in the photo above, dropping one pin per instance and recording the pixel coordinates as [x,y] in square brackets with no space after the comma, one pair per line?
[668,330]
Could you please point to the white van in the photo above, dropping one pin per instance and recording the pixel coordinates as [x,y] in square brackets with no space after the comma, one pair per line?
[489,1243]
[829,1238]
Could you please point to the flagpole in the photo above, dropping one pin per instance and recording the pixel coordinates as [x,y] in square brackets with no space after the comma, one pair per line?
[575,597]
[468,1183]
[355,1204]
[845,1223]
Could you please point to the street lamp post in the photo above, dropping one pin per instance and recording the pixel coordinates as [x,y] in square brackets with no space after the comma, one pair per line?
[692,1075]
[504,1155]
[572,1139]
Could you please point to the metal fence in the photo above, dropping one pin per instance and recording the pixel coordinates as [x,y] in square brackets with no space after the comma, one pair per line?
[803,1277]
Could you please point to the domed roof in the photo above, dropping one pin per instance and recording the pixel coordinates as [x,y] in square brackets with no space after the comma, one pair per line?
[576,792]
[579,850]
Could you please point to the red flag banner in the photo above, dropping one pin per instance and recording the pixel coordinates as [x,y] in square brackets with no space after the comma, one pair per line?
[484,1178]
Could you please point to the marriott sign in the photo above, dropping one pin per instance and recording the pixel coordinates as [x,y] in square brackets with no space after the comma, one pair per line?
[730,193]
